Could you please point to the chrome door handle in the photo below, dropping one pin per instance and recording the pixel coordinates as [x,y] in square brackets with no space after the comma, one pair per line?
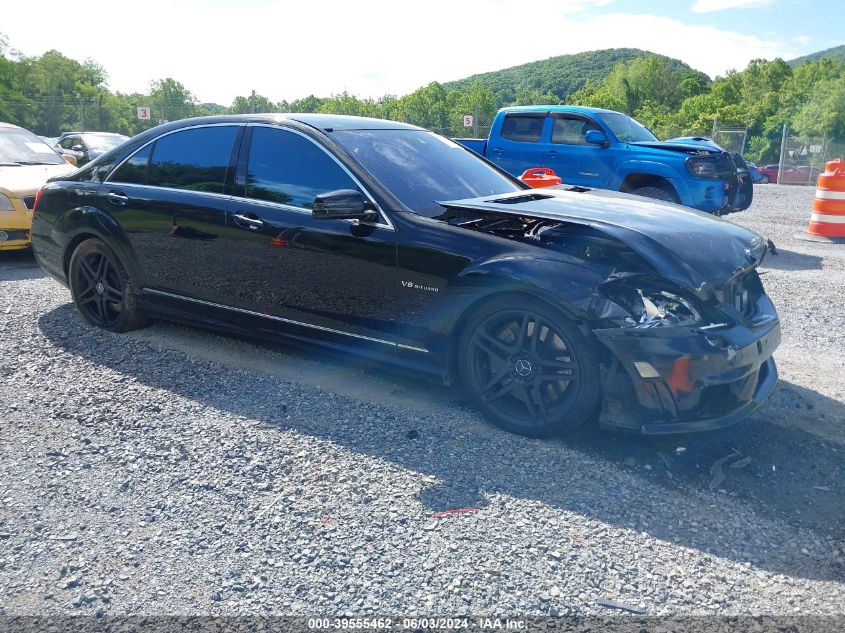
[251,223]
[117,199]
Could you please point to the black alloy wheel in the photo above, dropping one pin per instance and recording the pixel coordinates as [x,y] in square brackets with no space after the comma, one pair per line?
[101,289]
[528,369]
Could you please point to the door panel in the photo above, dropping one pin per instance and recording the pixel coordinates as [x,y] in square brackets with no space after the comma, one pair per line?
[516,147]
[577,162]
[170,198]
[335,275]
[332,274]
[174,235]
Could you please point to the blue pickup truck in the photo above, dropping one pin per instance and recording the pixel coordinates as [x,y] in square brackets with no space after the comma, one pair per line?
[603,149]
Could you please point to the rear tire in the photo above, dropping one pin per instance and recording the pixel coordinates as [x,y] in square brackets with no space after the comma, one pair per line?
[658,193]
[528,368]
[102,290]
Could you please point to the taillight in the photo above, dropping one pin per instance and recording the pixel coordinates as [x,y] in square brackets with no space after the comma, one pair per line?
[37,200]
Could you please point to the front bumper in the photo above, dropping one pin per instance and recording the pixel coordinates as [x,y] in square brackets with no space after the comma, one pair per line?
[705,378]
[719,197]
[15,226]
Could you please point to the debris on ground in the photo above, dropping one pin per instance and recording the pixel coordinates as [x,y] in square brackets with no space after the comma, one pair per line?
[615,604]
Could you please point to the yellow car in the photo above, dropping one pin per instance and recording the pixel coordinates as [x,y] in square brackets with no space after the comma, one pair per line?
[26,162]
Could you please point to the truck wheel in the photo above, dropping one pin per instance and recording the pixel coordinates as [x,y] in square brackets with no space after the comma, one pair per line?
[528,368]
[764,179]
[102,290]
[658,193]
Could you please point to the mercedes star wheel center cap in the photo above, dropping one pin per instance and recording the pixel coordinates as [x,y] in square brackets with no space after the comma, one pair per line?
[100,287]
[522,367]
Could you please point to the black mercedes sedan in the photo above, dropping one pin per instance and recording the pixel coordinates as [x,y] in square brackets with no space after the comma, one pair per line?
[548,306]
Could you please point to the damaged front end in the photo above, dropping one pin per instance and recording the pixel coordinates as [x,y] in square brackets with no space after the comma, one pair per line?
[679,363]
[684,329]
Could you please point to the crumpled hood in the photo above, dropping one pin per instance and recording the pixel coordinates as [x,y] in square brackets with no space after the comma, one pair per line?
[24,180]
[693,249]
[684,145]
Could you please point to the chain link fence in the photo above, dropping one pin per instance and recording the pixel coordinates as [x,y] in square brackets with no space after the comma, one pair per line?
[731,138]
[802,158]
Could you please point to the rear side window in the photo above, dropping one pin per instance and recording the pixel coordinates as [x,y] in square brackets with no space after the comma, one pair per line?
[134,170]
[288,169]
[523,128]
[69,141]
[195,159]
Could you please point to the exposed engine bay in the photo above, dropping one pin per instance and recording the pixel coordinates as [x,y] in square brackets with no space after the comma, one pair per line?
[636,296]
[578,240]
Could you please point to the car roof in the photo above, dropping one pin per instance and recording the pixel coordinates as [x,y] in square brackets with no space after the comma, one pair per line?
[557,108]
[326,122]
[81,133]
[11,126]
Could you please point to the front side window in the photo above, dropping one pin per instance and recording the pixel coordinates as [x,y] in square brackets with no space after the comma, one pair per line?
[196,159]
[287,168]
[571,130]
[523,127]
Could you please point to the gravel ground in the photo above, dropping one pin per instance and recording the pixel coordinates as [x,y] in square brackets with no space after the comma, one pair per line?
[176,471]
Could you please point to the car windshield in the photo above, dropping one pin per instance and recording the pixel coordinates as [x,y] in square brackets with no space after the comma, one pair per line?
[103,142]
[422,168]
[19,147]
[626,129]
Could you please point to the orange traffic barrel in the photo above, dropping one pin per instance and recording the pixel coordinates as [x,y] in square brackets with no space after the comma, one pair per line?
[828,217]
[540,177]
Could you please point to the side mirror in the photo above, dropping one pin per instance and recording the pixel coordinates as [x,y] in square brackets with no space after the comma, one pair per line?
[343,204]
[70,158]
[595,137]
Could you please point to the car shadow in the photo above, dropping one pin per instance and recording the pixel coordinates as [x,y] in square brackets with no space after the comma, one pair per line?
[678,489]
[790,260]
[19,266]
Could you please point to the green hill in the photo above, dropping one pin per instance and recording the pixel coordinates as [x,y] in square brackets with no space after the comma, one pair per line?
[561,75]
[837,52]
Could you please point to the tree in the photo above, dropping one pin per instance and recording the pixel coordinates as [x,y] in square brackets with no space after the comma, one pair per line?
[244,105]
[425,107]
[170,100]
[478,101]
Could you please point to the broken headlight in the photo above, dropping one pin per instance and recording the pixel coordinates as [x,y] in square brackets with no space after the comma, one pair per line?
[647,308]
[709,166]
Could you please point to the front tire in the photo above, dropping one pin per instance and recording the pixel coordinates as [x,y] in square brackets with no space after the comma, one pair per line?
[658,193]
[764,180]
[528,368]
[101,288]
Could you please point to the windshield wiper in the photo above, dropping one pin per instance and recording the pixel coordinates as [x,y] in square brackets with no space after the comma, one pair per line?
[35,162]
[10,164]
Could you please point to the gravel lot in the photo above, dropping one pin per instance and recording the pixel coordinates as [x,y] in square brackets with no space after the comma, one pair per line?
[176,471]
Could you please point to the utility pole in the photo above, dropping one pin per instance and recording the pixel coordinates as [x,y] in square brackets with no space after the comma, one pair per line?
[782,151]
[252,102]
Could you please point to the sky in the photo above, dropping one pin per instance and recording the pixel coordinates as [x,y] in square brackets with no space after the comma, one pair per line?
[369,48]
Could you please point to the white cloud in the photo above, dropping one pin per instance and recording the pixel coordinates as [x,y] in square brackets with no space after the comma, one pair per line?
[707,6]
[802,39]
[288,50]
[577,6]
